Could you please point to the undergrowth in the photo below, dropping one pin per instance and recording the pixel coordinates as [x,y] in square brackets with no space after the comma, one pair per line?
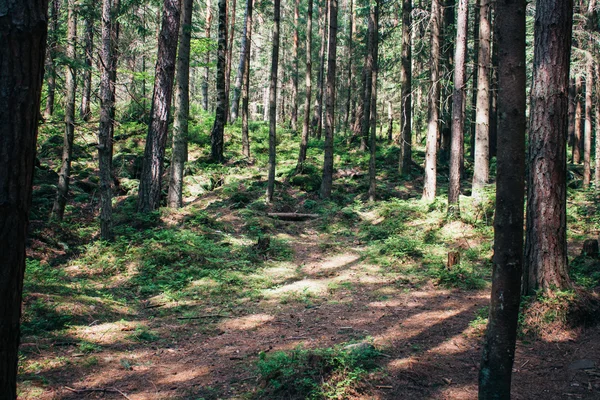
[330,373]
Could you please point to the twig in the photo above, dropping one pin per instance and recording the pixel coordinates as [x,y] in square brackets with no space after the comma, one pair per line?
[104,390]
[207,316]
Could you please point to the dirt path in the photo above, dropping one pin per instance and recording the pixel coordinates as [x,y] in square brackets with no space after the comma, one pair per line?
[429,337]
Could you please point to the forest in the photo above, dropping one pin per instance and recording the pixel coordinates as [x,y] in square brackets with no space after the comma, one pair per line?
[299,199]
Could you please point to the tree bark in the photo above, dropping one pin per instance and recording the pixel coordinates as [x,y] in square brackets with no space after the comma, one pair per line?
[217,132]
[499,345]
[50,58]
[230,32]
[156,141]
[481,169]
[246,78]
[317,122]
[182,110]
[23,29]
[475,79]
[587,135]
[458,113]
[308,90]
[349,49]
[368,81]
[62,189]
[406,90]
[327,181]
[447,68]
[294,116]
[546,241]
[430,182]
[108,71]
[273,102]
[597,128]
[84,110]
[577,139]
[373,113]
[207,24]
[237,90]
[493,91]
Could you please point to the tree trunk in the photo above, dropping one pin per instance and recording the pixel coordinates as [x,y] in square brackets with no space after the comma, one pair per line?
[207,24]
[577,139]
[308,83]
[230,32]
[406,90]
[84,110]
[499,345]
[50,64]
[294,116]
[373,113]
[246,78]
[368,82]
[327,181]
[107,106]
[430,183]
[156,141]
[62,189]
[317,122]
[390,128]
[475,79]
[447,69]
[349,49]
[217,132]
[481,169]
[493,91]
[587,136]
[237,90]
[546,240]
[22,50]
[273,102]
[571,134]
[458,113]
[597,118]
[182,110]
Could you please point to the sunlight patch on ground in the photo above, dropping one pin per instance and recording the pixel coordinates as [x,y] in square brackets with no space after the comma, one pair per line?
[305,286]
[278,272]
[246,323]
[416,324]
[331,263]
[371,216]
[454,345]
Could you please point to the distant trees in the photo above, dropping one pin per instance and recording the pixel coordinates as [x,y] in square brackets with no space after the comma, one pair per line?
[23,30]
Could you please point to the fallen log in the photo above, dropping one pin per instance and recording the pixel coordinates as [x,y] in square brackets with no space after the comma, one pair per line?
[293,216]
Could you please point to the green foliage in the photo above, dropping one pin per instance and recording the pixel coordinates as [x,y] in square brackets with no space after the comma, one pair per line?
[329,373]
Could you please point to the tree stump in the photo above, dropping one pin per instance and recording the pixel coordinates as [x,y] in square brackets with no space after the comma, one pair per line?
[590,248]
[453,259]
[262,246]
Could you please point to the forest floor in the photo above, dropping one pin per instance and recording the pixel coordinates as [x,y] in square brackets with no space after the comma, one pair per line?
[354,304]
